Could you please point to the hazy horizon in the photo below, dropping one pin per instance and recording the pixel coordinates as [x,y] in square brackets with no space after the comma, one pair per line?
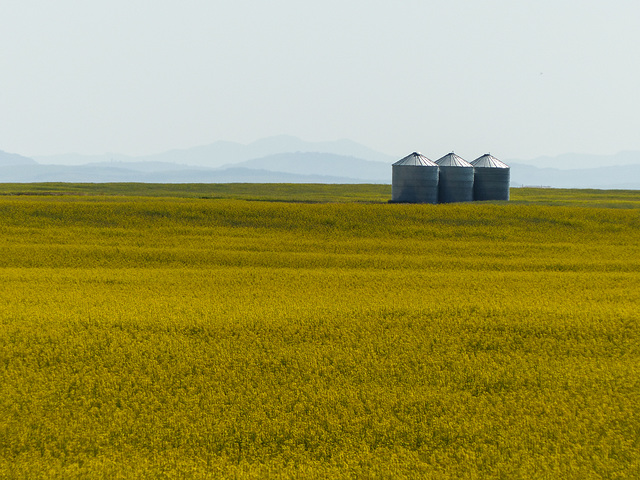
[572,159]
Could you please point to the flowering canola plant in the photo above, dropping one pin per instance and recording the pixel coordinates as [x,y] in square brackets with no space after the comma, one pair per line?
[206,338]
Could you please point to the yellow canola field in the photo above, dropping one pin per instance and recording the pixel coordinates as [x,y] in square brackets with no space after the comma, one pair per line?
[202,338]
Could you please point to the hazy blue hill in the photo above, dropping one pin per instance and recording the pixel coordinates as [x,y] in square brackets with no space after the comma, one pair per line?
[344,147]
[287,159]
[14,159]
[300,168]
[80,159]
[621,177]
[106,174]
[223,153]
[570,161]
[64,173]
[247,175]
[150,166]
[211,156]
[327,164]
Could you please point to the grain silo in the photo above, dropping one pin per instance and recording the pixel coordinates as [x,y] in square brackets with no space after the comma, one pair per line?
[414,180]
[456,179]
[491,179]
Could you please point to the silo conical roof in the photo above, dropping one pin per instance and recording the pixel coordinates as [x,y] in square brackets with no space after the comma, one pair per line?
[488,161]
[416,159]
[452,160]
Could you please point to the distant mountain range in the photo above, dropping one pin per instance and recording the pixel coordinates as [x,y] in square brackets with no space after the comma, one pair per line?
[571,161]
[322,164]
[615,177]
[8,159]
[223,153]
[286,159]
[167,173]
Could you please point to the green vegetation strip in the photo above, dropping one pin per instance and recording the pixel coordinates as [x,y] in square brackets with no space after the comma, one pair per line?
[150,337]
[307,193]
[244,191]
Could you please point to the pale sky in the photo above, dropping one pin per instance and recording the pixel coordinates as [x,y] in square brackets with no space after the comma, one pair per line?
[517,78]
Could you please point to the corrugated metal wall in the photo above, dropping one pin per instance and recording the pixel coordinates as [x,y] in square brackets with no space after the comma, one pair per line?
[491,179]
[491,183]
[456,184]
[456,179]
[414,183]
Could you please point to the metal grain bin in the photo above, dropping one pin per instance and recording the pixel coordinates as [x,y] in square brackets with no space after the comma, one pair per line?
[491,179]
[414,180]
[456,179]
